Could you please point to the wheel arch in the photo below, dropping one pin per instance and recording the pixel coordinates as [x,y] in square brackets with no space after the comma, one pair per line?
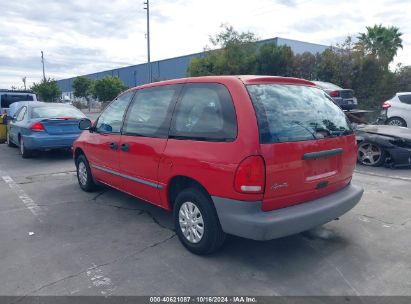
[180,182]
[78,152]
[397,117]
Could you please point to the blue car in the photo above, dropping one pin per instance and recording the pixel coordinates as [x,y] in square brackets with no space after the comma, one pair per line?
[41,126]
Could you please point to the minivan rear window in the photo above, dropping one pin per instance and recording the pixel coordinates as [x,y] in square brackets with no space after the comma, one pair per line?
[8,99]
[296,113]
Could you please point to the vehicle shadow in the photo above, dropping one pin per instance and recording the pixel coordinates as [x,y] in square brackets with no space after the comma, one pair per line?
[53,155]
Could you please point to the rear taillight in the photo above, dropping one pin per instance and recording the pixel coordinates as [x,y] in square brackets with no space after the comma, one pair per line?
[335,94]
[250,175]
[386,105]
[37,127]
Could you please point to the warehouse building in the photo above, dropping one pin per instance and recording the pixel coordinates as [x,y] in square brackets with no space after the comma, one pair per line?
[174,67]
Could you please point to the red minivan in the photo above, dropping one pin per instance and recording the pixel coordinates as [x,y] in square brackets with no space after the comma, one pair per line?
[259,157]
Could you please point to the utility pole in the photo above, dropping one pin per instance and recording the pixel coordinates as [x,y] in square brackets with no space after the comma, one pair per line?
[42,61]
[147,7]
[24,81]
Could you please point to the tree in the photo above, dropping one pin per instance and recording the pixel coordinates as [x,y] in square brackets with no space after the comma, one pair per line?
[305,65]
[234,54]
[107,88]
[380,42]
[403,75]
[275,60]
[82,86]
[47,90]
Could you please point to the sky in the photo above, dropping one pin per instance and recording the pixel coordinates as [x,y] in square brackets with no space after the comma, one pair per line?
[84,36]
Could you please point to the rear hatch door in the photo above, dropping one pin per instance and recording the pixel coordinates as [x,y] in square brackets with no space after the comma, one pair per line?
[305,139]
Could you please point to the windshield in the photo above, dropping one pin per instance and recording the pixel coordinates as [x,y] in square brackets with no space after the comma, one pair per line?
[296,113]
[56,112]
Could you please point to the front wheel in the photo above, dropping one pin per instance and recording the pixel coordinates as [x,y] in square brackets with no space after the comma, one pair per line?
[196,222]
[84,177]
[370,154]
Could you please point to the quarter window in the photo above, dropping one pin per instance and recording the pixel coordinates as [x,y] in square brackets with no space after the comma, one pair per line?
[150,113]
[205,112]
[21,114]
[111,120]
[405,99]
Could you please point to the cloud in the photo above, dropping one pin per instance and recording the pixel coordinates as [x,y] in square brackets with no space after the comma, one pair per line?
[85,36]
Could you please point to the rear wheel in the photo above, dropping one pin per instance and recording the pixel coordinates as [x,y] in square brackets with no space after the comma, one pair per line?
[396,121]
[196,222]
[370,154]
[84,177]
[25,153]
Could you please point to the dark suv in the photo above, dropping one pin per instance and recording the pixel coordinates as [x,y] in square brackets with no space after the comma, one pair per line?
[257,157]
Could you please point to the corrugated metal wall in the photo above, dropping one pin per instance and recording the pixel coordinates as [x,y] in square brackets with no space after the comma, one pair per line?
[176,67]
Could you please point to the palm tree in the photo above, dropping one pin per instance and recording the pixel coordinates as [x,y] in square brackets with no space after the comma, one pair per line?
[380,42]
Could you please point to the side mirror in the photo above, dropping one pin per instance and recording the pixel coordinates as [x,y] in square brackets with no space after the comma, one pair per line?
[84,124]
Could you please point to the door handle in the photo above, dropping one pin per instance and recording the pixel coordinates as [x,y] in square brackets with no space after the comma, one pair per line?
[113,146]
[124,147]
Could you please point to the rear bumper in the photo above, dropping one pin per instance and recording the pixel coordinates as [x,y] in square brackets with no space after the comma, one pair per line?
[246,219]
[45,141]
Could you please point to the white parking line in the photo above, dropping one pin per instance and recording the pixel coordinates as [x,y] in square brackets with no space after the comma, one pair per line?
[23,196]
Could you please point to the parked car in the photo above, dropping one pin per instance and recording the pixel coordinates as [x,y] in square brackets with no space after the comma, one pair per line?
[384,145]
[44,126]
[397,110]
[8,97]
[344,98]
[253,156]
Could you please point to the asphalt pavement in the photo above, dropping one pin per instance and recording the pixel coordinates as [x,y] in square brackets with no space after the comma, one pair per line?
[58,240]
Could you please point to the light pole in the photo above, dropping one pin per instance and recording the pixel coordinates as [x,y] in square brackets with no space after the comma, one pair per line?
[42,61]
[147,7]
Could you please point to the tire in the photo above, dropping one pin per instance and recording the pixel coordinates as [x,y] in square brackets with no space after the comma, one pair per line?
[9,143]
[371,154]
[396,121]
[84,176]
[194,208]
[25,153]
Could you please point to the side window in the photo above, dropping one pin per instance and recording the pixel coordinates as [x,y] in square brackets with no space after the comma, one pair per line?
[150,113]
[405,99]
[21,114]
[205,112]
[111,120]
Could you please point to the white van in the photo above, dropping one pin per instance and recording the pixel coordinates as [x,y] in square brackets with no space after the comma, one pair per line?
[8,97]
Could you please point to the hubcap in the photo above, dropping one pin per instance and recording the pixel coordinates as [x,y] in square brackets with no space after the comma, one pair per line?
[191,222]
[82,173]
[369,154]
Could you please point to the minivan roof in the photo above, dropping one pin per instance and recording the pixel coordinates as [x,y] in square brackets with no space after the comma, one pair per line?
[246,79]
